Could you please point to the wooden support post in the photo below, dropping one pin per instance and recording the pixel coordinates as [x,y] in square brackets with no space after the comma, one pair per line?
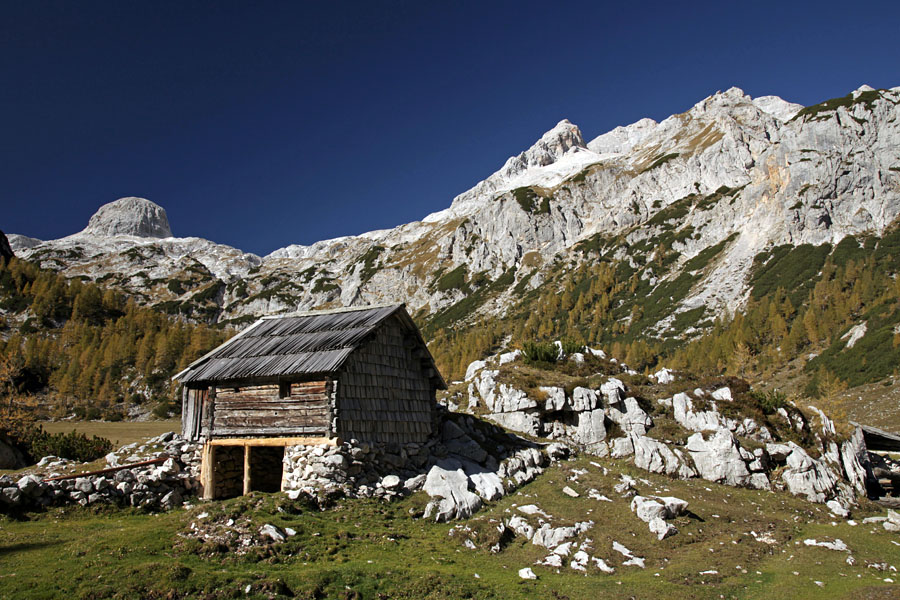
[208,472]
[247,450]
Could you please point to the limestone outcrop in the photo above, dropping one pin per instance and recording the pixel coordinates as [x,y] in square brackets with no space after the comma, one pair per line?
[584,418]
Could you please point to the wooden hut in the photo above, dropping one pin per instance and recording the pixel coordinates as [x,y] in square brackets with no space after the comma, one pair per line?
[307,378]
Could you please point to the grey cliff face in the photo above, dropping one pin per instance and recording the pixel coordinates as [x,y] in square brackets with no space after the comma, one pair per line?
[130,216]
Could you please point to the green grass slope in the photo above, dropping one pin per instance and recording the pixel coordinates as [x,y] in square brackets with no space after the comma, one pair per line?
[368,549]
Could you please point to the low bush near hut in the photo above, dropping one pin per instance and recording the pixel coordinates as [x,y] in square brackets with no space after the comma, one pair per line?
[72,445]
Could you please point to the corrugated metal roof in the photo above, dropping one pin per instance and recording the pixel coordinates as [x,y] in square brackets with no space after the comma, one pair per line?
[295,344]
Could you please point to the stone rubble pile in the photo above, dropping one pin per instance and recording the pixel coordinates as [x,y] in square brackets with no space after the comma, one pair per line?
[467,463]
[568,545]
[157,486]
[234,535]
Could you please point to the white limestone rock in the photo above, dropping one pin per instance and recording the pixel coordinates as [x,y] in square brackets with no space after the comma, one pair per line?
[654,456]
[806,476]
[584,399]
[521,527]
[633,419]
[719,458]
[591,428]
[613,391]
[602,565]
[487,483]
[621,447]
[448,486]
[722,394]
[524,422]
[687,417]
[836,509]
[551,537]
[648,509]
[474,367]
[661,529]
[509,399]
[508,357]
[556,398]
[272,532]
[390,482]
[664,376]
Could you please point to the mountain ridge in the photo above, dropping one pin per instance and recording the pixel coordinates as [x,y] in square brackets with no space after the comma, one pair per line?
[732,171]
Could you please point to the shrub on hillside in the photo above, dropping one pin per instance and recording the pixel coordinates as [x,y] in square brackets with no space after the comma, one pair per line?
[538,352]
[161,410]
[72,445]
[769,401]
[571,346]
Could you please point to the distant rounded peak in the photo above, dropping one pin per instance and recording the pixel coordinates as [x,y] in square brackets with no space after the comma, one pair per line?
[734,92]
[861,89]
[130,216]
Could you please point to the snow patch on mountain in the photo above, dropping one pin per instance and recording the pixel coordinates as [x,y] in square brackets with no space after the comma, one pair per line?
[778,108]
[622,139]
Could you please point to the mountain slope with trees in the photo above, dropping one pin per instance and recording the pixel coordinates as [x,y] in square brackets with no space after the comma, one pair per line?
[89,350]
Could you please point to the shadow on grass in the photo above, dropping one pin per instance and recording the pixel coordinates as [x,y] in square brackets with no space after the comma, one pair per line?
[8,550]
[692,515]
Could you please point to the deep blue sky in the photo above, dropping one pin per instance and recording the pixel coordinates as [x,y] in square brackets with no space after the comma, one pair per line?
[261,124]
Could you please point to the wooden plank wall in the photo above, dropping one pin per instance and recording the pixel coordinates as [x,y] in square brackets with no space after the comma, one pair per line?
[258,410]
[383,394]
[192,409]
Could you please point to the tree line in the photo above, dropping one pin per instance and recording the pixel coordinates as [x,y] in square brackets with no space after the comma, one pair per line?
[605,304]
[88,350]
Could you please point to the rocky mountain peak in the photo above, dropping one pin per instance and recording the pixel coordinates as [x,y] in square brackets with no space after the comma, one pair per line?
[130,216]
[563,137]
[552,146]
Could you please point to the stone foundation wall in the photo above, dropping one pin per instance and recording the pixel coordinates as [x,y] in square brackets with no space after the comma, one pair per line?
[466,462]
[158,486]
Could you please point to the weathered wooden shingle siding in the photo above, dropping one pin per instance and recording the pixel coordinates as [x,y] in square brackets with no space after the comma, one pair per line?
[259,410]
[383,394]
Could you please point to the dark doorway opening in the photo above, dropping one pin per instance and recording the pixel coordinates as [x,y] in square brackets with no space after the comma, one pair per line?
[228,469]
[266,468]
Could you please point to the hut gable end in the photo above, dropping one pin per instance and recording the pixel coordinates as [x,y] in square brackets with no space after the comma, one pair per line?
[386,392]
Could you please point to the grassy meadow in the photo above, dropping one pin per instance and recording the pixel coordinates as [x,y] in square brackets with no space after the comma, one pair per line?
[120,433]
[370,549]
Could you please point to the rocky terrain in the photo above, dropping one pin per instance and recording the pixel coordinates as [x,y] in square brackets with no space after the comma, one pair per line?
[673,427]
[711,431]
[725,181]
[608,475]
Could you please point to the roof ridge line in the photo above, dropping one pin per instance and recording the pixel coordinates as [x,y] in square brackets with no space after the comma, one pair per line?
[331,311]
